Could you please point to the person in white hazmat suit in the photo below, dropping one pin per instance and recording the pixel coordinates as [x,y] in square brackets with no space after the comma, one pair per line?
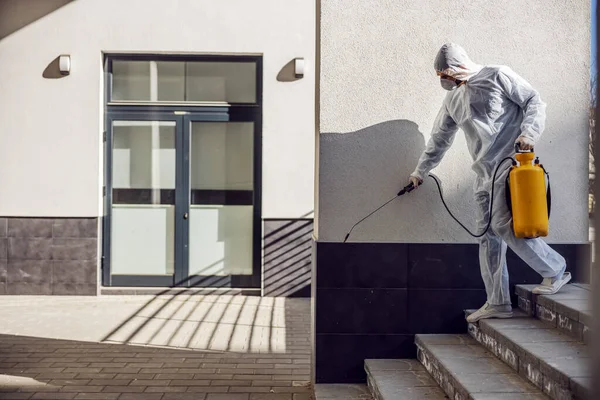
[496,109]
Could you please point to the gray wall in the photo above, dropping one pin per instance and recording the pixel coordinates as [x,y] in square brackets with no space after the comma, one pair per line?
[378,96]
[44,256]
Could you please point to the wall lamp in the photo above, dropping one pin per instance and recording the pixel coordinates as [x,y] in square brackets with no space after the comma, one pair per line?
[64,64]
[299,67]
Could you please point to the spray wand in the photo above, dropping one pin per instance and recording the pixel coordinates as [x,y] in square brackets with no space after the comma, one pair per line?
[410,187]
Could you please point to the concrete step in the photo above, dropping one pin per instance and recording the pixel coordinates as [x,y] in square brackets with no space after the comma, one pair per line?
[554,362]
[466,370]
[569,310]
[341,392]
[401,380]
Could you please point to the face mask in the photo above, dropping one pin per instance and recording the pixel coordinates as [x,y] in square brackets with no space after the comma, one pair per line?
[448,84]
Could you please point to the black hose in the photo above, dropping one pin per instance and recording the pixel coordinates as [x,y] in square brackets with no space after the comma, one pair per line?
[491,202]
[409,188]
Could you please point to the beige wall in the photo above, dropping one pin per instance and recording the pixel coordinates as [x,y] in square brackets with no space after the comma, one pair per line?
[50,129]
[379,96]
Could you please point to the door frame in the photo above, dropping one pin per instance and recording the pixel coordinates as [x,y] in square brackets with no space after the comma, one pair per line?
[183,114]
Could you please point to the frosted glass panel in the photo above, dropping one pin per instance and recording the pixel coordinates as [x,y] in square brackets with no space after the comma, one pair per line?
[143,240]
[176,81]
[131,80]
[222,156]
[143,155]
[143,196]
[221,81]
[170,81]
[220,240]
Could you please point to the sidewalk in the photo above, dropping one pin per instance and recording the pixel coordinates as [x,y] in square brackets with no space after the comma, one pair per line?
[146,347]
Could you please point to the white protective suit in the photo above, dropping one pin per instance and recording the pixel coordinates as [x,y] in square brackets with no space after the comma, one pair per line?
[493,108]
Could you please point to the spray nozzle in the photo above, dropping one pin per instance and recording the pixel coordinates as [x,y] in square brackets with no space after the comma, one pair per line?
[406,189]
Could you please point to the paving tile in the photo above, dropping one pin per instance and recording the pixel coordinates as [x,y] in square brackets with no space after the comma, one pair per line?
[53,396]
[165,389]
[77,389]
[141,396]
[184,396]
[97,396]
[15,396]
[270,396]
[124,389]
[228,396]
[250,389]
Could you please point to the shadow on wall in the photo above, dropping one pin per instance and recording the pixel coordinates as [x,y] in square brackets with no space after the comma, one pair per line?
[52,71]
[17,14]
[361,170]
[287,73]
[287,258]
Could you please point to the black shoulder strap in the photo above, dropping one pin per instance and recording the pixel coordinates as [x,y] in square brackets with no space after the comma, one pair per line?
[548,192]
[507,193]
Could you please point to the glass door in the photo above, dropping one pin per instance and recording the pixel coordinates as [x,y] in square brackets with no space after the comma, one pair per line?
[223,228]
[181,199]
[141,238]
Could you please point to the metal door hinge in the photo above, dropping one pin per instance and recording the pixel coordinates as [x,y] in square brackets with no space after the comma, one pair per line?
[103,190]
[104,136]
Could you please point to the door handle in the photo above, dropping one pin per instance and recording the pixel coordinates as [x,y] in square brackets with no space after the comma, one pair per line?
[185,216]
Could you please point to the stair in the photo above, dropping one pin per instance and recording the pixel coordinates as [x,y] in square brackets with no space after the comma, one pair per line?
[338,392]
[466,370]
[540,353]
[569,310]
[545,341]
[400,380]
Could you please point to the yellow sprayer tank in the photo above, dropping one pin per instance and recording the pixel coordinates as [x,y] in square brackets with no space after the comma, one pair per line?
[528,197]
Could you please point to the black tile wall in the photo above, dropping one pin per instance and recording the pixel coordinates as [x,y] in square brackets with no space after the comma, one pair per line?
[340,358]
[45,256]
[360,311]
[362,265]
[441,310]
[444,266]
[371,298]
[287,257]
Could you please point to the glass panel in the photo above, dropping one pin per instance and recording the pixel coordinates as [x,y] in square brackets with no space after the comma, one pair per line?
[131,80]
[143,210]
[221,81]
[221,210]
[233,82]
[220,240]
[222,155]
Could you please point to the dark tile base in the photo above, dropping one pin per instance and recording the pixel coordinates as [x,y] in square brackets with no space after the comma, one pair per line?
[287,257]
[370,299]
[340,358]
[46,256]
